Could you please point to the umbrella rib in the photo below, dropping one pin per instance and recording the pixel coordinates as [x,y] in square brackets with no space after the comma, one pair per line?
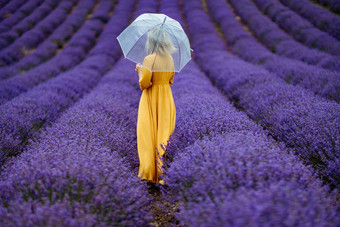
[179,46]
[137,41]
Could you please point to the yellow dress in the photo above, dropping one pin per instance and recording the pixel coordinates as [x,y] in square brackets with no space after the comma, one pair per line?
[156,115]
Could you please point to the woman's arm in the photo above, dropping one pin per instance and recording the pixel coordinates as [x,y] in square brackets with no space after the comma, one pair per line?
[144,74]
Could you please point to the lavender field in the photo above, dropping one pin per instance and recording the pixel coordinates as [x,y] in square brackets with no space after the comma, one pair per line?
[257,137]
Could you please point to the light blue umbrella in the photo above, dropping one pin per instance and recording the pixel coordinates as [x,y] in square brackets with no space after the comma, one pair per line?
[156,33]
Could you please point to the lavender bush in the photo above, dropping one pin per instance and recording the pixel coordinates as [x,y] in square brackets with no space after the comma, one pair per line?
[76,51]
[98,129]
[278,41]
[100,132]
[80,168]
[9,8]
[321,18]
[44,103]
[201,111]
[21,13]
[293,115]
[241,176]
[323,82]
[242,179]
[38,15]
[74,184]
[298,27]
[32,38]
[61,37]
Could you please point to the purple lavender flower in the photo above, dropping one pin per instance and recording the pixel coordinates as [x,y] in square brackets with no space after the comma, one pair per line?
[28,40]
[303,121]
[277,40]
[9,7]
[19,14]
[321,18]
[241,179]
[298,27]
[45,102]
[323,82]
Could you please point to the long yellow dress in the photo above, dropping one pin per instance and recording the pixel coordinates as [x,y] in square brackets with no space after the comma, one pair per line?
[156,115]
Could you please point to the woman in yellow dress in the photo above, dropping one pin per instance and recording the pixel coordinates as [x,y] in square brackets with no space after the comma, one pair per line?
[156,112]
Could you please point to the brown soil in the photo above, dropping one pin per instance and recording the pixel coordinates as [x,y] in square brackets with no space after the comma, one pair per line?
[162,216]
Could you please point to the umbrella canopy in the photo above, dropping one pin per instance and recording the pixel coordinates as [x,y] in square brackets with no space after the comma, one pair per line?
[153,33]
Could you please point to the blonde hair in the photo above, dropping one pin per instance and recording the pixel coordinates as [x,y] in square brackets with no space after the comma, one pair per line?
[159,41]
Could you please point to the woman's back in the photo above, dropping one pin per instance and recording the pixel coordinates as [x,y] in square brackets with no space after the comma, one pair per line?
[159,63]
[162,67]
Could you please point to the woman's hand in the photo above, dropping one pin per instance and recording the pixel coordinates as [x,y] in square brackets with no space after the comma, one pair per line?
[138,68]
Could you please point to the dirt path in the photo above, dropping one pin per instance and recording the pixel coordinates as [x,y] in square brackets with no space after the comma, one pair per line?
[162,210]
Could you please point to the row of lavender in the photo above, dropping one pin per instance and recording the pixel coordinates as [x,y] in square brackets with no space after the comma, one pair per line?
[298,27]
[16,44]
[322,19]
[87,143]
[23,116]
[202,112]
[9,8]
[63,37]
[38,14]
[323,82]
[75,165]
[21,13]
[277,40]
[303,121]
[225,170]
[76,50]
[78,163]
